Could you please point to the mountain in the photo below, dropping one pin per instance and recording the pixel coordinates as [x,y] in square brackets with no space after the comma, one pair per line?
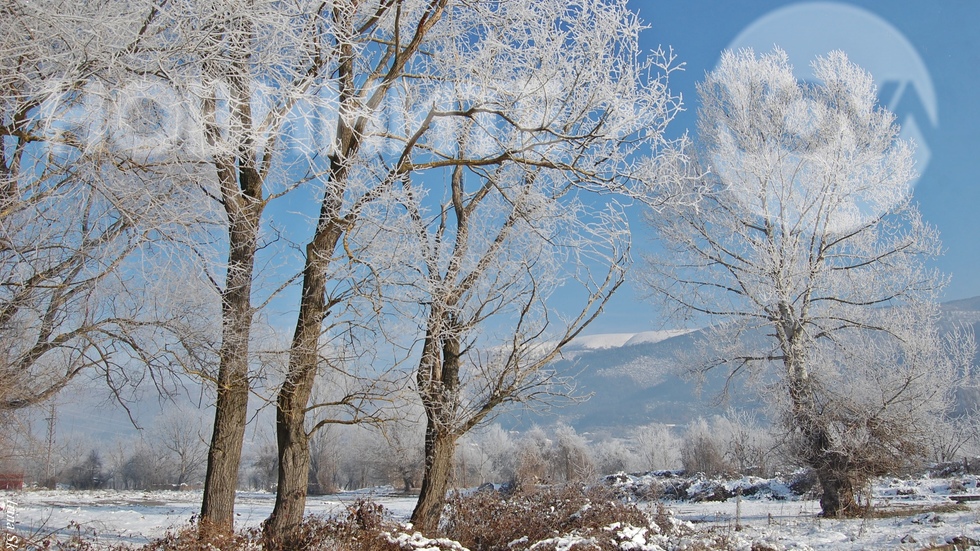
[632,379]
[638,378]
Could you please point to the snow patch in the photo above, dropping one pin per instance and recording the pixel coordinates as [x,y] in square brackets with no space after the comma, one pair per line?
[618,340]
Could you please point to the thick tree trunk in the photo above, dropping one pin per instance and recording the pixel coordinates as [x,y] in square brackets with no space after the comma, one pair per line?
[241,188]
[294,395]
[224,455]
[837,499]
[832,468]
[224,458]
[294,469]
[294,452]
[439,450]
[438,379]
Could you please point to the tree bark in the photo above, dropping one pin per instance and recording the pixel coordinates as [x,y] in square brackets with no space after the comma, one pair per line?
[440,447]
[837,499]
[224,457]
[294,396]
[831,467]
[293,399]
[294,469]
[241,188]
[438,379]
[224,454]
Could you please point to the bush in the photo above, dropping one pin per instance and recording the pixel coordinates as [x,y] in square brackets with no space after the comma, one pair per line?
[701,452]
[366,527]
[87,475]
[542,517]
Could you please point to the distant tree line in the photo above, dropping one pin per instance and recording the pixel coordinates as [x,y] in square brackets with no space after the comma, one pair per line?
[356,457]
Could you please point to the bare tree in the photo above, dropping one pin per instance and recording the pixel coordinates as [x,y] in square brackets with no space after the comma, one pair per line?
[489,278]
[517,151]
[369,50]
[428,88]
[142,469]
[84,229]
[210,99]
[657,446]
[243,102]
[324,463]
[179,436]
[749,447]
[533,459]
[399,451]
[157,82]
[798,237]
[501,451]
[574,462]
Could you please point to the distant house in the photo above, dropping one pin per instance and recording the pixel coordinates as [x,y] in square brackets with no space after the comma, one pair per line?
[10,480]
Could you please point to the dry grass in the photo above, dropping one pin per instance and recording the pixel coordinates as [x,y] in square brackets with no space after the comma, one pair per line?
[490,521]
[366,527]
[910,510]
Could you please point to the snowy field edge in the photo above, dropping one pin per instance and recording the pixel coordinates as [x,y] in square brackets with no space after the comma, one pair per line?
[906,513]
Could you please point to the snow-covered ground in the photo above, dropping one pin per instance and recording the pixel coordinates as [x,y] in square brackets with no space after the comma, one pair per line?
[797,525]
[773,518]
[137,517]
[915,513]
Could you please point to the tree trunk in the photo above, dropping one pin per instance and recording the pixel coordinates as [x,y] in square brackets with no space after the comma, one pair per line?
[837,499]
[832,468]
[241,188]
[294,452]
[224,458]
[294,469]
[231,408]
[439,450]
[438,381]
[294,396]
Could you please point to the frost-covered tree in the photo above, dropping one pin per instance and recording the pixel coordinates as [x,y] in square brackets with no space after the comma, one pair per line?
[798,238]
[178,437]
[86,225]
[509,111]
[574,462]
[657,446]
[550,105]
[187,107]
[397,453]
[461,140]
[501,451]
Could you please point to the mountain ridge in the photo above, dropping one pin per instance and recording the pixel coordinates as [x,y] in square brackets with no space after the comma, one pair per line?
[636,378]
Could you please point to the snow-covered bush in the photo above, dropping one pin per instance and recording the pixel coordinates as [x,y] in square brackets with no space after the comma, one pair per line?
[554,517]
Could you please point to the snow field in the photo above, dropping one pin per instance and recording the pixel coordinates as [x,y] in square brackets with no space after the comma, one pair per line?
[910,514]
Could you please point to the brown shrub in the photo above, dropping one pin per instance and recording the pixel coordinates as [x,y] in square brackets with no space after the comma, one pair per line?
[488,520]
[196,538]
[364,528]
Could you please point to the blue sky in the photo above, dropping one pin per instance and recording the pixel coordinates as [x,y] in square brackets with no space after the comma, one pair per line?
[944,35]
[905,45]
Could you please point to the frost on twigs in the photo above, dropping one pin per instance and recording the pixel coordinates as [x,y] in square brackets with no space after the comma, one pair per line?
[802,252]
